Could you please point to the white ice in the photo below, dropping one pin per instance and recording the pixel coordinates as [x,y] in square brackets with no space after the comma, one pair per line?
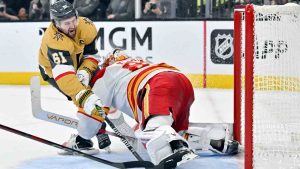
[16,152]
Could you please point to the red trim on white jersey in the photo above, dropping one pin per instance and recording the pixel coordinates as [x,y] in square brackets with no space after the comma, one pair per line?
[97,76]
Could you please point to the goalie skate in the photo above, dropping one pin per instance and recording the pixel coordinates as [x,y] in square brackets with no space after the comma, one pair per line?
[178,158]
[103,139]
[217,139]
[78,143]
[226,146]
[232,147]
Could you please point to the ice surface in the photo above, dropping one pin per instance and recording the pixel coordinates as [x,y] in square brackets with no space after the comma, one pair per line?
[17,152]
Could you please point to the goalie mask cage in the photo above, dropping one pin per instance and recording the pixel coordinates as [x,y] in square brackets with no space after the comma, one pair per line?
[267,85]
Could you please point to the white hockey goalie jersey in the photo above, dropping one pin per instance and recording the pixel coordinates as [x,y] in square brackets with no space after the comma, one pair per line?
[117,85]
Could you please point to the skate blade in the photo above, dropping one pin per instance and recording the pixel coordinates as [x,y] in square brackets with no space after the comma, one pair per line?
[107,149]
[187,157]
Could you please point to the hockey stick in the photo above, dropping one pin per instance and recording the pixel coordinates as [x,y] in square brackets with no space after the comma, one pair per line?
[39,113]
[123,139]
[128,164]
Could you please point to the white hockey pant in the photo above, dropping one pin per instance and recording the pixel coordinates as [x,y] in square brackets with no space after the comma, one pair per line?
[87,126]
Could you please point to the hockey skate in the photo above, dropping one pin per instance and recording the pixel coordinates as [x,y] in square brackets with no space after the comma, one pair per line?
[180,146]
[78,143]
[181,155]
[216,139]
[103,139]
[226,146]
[221,147]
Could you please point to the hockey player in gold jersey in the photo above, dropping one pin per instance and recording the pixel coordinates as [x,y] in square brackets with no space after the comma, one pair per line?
[68,60]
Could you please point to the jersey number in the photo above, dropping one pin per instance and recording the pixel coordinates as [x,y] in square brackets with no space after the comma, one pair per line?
[59,58]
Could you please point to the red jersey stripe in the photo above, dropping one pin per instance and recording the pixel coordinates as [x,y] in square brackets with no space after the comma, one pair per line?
[63,74]
[93,60]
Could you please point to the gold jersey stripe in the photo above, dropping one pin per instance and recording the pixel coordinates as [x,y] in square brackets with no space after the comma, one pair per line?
[135,82]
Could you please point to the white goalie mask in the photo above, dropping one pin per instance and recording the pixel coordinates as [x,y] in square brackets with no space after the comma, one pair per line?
[114,56]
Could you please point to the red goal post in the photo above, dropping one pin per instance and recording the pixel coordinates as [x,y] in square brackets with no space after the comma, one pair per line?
[267,85]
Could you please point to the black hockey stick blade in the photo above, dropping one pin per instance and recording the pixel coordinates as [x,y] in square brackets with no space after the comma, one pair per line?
[128,164]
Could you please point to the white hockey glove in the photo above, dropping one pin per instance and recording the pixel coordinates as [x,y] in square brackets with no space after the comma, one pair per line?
[91,104]
[84,77]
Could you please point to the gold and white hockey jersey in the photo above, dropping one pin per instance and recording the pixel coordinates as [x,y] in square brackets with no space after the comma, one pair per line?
[61,56]
[118,84]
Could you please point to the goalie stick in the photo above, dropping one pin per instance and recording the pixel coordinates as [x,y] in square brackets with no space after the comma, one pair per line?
[170,162]
[39,113]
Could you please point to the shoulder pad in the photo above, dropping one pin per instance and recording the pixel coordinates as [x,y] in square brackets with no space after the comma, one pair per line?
[88,30]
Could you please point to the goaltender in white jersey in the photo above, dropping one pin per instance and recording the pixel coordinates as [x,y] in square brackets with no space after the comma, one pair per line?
[159,98]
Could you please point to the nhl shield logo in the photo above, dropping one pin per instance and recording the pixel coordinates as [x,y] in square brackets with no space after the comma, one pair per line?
[224,46]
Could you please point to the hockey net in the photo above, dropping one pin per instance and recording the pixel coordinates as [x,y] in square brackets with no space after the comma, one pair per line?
[267,85]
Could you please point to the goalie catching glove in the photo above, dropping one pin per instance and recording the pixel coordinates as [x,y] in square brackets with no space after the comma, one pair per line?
[91,104]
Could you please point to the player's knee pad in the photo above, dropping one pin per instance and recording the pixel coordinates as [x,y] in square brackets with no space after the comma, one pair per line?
[87,126]
[158,146]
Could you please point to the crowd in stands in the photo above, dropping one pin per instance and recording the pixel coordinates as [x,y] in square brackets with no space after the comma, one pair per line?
[97,10]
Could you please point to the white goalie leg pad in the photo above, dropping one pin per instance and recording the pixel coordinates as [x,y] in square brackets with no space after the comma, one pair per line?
[87,127]
[158,146]
[153,123]
[200,137]
[157,121]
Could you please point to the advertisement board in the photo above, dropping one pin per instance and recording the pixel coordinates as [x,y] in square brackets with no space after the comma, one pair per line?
[203,50]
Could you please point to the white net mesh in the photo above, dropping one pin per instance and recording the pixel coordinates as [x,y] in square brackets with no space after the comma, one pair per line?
[276,102]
